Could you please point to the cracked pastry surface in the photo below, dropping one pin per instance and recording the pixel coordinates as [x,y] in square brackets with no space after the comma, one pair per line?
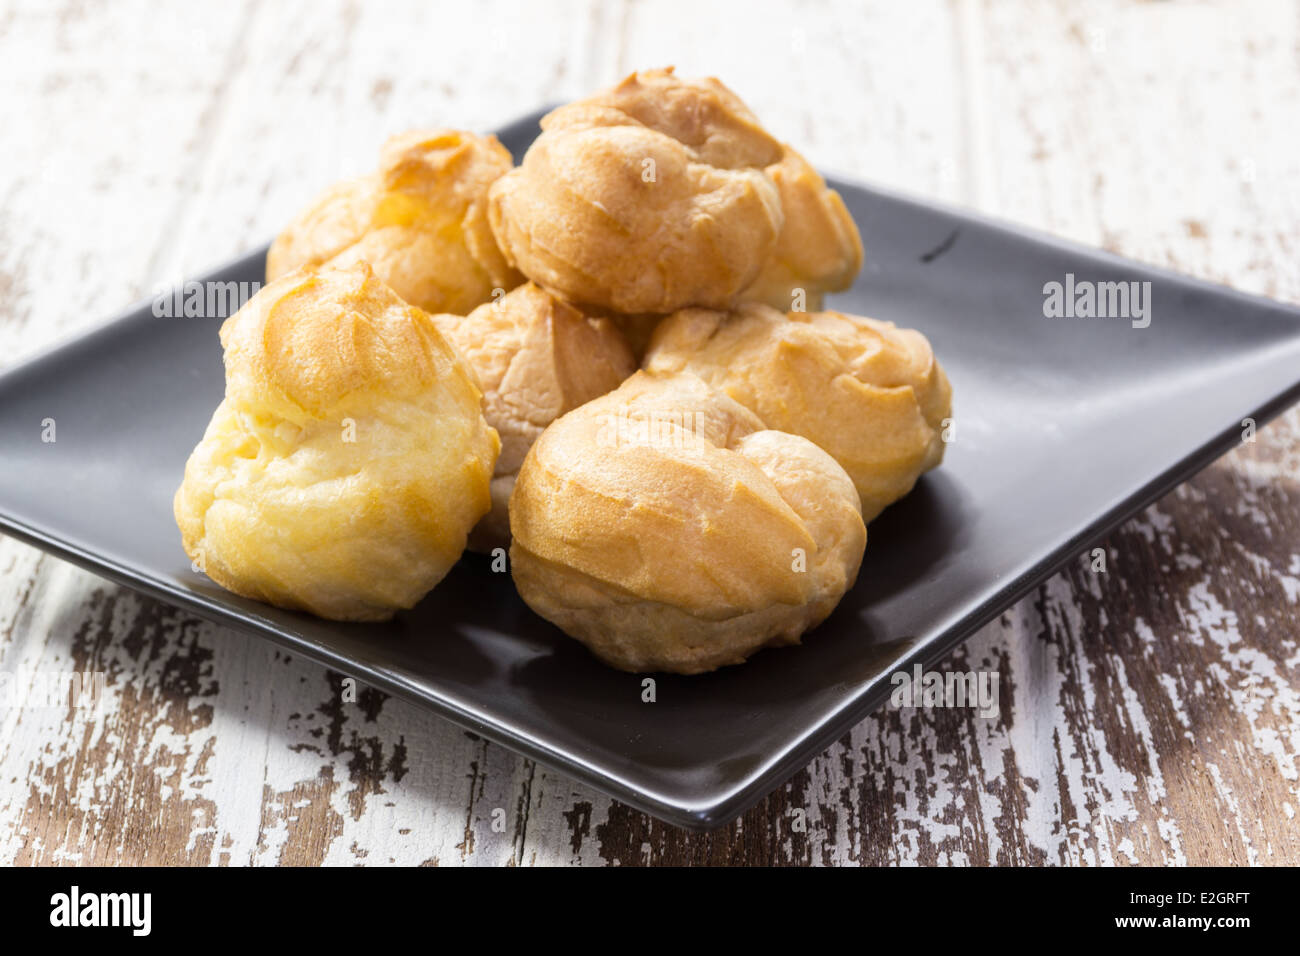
[871,394]
[535,357]
[667,530]
[644,198]
[349,458]
[420,221]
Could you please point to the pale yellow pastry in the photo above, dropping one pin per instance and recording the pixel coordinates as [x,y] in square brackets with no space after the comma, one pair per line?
[349,458]
[663,527]
[871,394]
[535,358]
[819,249]
[420,221]
[645,198]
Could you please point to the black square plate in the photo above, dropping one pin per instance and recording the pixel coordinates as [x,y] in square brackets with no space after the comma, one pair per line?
[1064,427]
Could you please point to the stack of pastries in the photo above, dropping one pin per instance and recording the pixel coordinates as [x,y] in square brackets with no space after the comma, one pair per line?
[612,360]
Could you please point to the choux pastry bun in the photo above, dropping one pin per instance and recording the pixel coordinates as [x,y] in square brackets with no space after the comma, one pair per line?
[535,358]
[420,221]
[819,249]
[349,458]
[663,527]
[869,393]
[645,198]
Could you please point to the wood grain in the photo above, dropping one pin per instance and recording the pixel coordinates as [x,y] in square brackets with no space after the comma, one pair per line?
[1150,714]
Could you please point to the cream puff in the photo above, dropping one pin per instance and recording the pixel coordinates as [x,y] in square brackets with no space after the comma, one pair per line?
[819,249]
[420,221]
[871,394]
[535,358]
[645,198]
[667,530]
[349,458]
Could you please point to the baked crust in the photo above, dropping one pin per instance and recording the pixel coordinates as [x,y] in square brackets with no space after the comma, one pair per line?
[644,198]
[871,394]
[420,221]
[819,249]
[535,358]
[349,457]
[663,527]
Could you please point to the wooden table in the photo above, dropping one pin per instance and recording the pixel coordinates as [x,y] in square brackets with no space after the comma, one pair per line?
[1150,715]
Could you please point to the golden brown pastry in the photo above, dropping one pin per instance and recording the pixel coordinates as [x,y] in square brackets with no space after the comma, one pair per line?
[667,530]
[869,393]
[819,249]
[645,198]
[420,221]
[349,458]
[535,358]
